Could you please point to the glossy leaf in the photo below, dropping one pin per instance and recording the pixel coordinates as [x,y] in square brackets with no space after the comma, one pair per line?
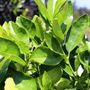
[77,33]
[82,47]
[10,85]
[46,80]
[10,49]
[58,5]
[23,47]
[52,43]
[84,59]
[43,55]
[40,27]
[55,74]
[27,25]
[5,33]
[53,8]
[63,84]
[68,70]
[67,13]
[18,33]
[57,30]
[4,67]
[76,63]
[42,8]
[50,8]
[20,36]
[18,60]
[24,82]
[28,84]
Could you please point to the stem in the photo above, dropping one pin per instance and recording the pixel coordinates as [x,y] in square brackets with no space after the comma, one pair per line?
[66,58]
[70,65]
[67,61]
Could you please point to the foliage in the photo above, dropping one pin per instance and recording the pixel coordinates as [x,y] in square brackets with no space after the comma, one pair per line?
[47,52]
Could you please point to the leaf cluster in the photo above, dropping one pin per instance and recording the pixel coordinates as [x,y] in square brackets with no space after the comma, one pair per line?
[49,52]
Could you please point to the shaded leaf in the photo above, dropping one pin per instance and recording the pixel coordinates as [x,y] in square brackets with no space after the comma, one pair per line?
[43,55]
[68,70]
[52,43]
[46,80]
[4,67]
[24,82]
[63,84]
[55,74]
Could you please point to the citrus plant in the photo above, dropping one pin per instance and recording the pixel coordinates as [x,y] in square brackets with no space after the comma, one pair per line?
[49,52]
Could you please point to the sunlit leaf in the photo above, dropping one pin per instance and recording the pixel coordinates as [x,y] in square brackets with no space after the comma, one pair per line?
[10,85]
[77,33]
[26,24]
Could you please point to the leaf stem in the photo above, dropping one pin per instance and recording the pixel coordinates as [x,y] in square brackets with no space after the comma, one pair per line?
[68,62]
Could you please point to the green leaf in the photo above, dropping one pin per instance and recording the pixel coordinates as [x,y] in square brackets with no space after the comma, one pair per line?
[57,30]
[6,28]
[4,33]
[43,55]
[52,43]
[27,25]
[23,47]
[11,50]
[84,59]
[19,33]
[77,33]
[89,20]
[50,9]
[10,85]
[55,74]
[28,84]
[82,47]
[63,84]
[46,80]
[18,60]
[76,63]
[68,70]
[24,82]
[45,83]
[58,5]
[67,13]
[42,8]
[20,37]
[40,27]
[8,47]
[71,89]
[4,67]
[53,8]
